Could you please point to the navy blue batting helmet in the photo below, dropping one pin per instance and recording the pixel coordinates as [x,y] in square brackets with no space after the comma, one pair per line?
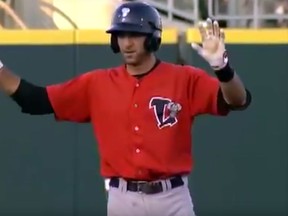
[136,17]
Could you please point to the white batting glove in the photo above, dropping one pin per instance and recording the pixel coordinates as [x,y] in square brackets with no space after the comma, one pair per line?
[1,64]
[213,46]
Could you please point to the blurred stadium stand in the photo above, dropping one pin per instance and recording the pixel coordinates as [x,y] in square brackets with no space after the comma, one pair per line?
[56,14]
[96,14]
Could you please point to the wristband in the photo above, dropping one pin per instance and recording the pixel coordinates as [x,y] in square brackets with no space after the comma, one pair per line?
[1,64]
[225,74]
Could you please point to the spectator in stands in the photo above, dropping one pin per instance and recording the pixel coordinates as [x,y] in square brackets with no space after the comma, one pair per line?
[281,8]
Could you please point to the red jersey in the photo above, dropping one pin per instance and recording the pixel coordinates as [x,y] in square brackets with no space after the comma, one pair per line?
[143,126]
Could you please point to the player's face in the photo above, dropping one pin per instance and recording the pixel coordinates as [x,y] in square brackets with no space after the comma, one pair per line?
[132,48]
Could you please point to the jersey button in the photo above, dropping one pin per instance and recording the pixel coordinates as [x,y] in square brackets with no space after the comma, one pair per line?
[135,105]
[137,85]
[137,150]
[136,128]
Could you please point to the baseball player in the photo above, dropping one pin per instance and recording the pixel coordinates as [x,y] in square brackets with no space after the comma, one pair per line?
[141,111]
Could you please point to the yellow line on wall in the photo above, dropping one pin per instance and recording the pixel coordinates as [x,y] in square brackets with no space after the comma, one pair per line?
[246,36]
[169,36]
[50,37]
[41,37]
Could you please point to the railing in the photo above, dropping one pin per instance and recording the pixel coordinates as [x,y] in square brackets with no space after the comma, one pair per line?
[236,13]
[169,7]
[12,14]
[233,16]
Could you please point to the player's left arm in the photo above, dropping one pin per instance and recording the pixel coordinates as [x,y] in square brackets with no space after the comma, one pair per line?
[233,92]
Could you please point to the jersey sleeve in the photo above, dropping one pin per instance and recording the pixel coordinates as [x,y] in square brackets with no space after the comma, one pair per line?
[204,93]
[70,100]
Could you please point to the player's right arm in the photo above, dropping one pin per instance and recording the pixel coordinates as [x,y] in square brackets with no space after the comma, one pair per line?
[68,101]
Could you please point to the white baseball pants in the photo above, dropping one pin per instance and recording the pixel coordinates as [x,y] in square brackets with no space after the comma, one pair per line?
[170,202]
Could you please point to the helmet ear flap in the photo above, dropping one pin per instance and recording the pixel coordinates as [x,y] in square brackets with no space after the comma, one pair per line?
[152,43]
[114,43]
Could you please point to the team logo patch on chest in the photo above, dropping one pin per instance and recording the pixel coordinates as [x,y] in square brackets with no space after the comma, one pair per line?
[165,111]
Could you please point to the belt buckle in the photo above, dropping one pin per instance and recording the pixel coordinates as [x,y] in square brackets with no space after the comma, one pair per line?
[146,187]
[140,186]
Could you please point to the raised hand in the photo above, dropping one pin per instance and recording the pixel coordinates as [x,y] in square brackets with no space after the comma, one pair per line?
[213,45]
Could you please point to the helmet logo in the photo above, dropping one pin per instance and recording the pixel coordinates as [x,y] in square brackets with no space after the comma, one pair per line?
[125,11]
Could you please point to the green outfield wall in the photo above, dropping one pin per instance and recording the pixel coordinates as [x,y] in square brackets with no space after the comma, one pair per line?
[50,169]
